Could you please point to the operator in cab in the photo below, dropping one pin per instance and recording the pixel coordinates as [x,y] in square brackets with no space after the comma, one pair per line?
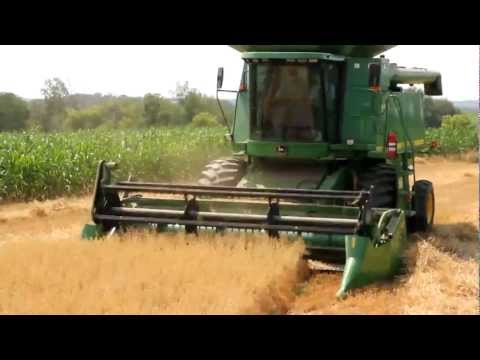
[288,109]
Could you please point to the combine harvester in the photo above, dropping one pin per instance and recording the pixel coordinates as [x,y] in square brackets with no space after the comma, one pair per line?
[324,141]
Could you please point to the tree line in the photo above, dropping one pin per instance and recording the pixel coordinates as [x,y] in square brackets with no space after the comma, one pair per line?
[59,110]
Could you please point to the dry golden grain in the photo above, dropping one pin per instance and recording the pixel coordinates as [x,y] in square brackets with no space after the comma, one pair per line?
[38,212]
[147,273]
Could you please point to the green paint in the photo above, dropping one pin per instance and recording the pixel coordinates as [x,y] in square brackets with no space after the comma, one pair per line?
[324,241]
[92,232]
[337,180]
[292,150]
[367,263]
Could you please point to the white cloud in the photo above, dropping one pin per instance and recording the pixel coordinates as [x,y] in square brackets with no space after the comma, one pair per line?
[136,70]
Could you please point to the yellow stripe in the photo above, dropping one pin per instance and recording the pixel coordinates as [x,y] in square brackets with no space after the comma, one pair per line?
[418,142]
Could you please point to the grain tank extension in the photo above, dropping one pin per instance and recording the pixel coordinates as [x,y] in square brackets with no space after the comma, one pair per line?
[324,139]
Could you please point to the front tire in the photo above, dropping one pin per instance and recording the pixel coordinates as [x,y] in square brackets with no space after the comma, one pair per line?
[384,180]
[223,172]
[424,206]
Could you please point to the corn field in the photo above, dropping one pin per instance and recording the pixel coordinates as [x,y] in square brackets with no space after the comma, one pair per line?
[451,140]
[39,166]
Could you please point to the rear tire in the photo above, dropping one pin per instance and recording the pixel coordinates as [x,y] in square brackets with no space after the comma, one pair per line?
[223,172]
[424,206]
[384,180]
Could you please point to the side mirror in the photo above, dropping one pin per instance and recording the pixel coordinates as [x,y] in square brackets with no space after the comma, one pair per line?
[220,78]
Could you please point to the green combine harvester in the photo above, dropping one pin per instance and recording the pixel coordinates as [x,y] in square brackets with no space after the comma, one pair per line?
[324,139]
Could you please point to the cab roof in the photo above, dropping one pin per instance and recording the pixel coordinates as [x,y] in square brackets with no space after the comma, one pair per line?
[344,50]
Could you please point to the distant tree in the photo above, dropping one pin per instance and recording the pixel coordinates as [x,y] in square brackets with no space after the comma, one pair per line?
[120,112]
[205,119]
[195,103]
[83,101]
[83,119]
[192,104]
[458,121]
[54,94]
[151,106]
[37,113]
[14,112]
[181,90]
[435,110]
[159,111]
[54,89]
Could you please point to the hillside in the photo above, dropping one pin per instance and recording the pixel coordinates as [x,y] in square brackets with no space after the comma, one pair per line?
[467,105]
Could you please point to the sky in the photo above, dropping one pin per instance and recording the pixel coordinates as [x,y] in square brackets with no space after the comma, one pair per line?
[135,70]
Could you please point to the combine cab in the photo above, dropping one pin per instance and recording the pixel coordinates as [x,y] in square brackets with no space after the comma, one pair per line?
[324,140]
